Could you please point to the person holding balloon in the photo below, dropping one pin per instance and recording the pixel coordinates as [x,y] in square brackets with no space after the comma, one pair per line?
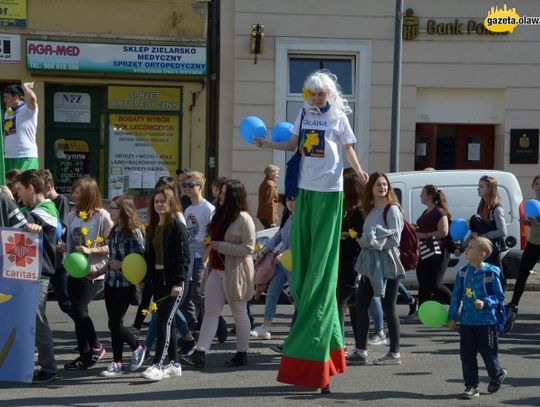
[125,239]
[274,248]
[531,254]
[88,226]
[167,258]
[432,232]
[314,349]
[478,331]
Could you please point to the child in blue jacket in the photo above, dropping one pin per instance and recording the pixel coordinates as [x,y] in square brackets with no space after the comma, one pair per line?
[478,291]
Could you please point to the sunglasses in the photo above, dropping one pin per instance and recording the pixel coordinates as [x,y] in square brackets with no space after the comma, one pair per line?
[189,185]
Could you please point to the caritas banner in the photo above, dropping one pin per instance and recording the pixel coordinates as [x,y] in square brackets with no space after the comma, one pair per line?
[20,268]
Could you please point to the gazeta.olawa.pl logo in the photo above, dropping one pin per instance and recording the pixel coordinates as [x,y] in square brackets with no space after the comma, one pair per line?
[507,19]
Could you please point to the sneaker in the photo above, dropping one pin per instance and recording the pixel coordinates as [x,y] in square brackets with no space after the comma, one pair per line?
[470,392]
[495,383]
[114,369]
[277,348]
[412,307]
[261,333]
[154,373]
[186,346]
[412,318]
[173,369]
[196,359]
[378,339]
[356,358]
[388,359]
[137,358]
[43,377]
[511,316]
[77,364]
[92,357]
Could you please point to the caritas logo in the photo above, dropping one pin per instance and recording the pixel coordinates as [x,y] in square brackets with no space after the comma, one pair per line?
[49,49]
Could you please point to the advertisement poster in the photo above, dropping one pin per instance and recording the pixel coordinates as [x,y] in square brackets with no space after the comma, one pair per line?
[10,49]
[20,268]
[115,58]
[13,13]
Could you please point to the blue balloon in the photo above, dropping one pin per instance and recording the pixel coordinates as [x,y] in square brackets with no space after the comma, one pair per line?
[282,131]
[59,230]
[458,229]
[532,208]
[252,127]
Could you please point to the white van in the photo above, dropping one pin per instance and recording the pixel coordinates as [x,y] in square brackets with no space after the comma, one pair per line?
[460,188]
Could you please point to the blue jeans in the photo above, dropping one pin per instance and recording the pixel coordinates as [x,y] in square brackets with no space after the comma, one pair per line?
[181,325]
[405,293]
[375,309]
[274,291]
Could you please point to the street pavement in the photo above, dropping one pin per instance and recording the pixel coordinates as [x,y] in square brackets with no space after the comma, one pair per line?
[430,374]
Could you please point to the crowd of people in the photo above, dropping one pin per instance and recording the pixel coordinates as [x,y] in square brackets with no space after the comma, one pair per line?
[342,226]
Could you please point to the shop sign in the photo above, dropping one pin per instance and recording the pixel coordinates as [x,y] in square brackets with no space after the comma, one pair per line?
[13,13]
[10,49]
[72,162]
[524,146]
[143,98]
[115,58]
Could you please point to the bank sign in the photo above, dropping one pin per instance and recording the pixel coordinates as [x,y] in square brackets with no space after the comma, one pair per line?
[115,58]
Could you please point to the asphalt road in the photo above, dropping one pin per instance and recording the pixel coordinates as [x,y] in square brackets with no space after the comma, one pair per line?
[430,373]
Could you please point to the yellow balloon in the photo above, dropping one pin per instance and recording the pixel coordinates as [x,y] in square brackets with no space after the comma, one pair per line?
[286,259]
[134,268]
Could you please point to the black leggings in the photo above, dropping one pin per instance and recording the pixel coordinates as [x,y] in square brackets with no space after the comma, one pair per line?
[530,256]
[364,294]
[166,328]
[81,293]
[430,273]
[117,301]
[343,295]
[145,302]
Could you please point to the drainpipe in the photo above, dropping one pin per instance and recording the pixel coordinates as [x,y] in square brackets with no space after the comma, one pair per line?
[212,136]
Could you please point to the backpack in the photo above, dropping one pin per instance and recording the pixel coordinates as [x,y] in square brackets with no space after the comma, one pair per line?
[408,243]
[500,309]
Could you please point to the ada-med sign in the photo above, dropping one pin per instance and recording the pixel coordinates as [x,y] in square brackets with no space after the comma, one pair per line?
[20,268]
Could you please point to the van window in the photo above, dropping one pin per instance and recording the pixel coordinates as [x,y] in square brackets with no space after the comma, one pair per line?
[398,193]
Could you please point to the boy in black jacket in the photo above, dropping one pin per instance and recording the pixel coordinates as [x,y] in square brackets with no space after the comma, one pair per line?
[41,211]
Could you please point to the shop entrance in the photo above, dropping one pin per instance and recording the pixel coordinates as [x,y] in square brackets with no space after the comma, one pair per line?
[451,146]
[72,134]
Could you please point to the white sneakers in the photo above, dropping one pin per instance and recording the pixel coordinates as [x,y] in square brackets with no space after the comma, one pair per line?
[261,332]
[157,372]
[114,369]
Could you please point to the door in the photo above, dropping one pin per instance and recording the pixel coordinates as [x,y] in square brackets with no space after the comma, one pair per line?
[72,133]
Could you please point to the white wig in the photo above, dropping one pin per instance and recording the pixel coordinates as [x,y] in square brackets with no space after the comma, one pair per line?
[326,81]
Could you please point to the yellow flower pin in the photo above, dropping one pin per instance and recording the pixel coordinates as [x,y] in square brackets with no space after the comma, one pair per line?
[88,243]
[207,240]
[99,240]
[84,231]
[353,233]
[83,215]
[144,312]
[153,306]
[258,247]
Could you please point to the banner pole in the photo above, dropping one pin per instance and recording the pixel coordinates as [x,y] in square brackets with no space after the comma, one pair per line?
[2,161]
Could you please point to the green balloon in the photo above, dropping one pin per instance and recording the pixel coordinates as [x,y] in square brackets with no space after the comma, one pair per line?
[77,265]
[433,314]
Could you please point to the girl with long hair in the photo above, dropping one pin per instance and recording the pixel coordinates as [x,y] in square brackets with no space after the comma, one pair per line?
[167,259]
[379,266]
[125,238]
[230,275]
[88,226]
[432,232]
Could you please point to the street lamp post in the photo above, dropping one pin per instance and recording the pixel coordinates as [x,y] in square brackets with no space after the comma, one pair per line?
[396,89]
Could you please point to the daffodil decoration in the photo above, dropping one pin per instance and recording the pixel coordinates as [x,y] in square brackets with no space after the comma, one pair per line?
[258,247]
[84,231]
[469,293]
[100,240]
[88,243]
[207,240]
[9,111]
[353,233]
[306,94]
[83,215]
[153,307]
[144,312]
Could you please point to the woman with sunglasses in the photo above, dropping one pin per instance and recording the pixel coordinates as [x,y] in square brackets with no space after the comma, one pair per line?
[125,238]
[167,259]
[88,226]
[230,275]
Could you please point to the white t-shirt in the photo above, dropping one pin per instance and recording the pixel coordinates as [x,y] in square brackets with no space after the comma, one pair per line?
[321,168]
[20,133]
[197,219]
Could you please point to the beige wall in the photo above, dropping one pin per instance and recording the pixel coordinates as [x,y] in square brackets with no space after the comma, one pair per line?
[507,64]
[178,22]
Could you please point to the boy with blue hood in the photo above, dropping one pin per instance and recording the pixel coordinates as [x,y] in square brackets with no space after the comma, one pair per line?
[38,210]
[478,291]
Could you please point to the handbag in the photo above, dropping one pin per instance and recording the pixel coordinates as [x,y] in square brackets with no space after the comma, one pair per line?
[292,171]
[265,270]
